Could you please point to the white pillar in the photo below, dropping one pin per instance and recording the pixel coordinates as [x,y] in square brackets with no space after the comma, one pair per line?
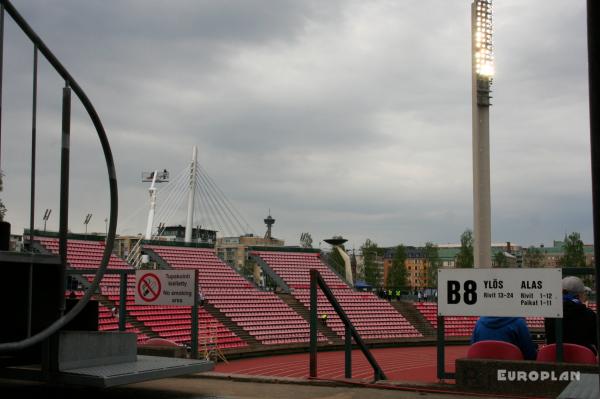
[152,191]
[482,226]
[347,265]
[191,194]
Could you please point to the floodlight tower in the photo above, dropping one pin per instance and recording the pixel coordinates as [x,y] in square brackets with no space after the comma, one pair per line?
[154,177]
[88,217]
[482,75]
[46,217]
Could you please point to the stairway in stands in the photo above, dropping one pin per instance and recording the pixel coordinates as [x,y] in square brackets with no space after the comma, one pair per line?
[86,254]
[373,318]
[227,322]
[173,323]
[305,313]
[108,303]
[410,313]
[261,314]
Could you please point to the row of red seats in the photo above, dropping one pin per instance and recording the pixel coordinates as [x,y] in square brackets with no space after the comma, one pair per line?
[235,297]
[168,322]
[500,350]
[372,317]
[462,325]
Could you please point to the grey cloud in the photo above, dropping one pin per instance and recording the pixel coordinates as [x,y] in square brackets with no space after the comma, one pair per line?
[344,117]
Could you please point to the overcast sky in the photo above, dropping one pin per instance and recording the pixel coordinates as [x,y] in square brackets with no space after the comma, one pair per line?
[341,117]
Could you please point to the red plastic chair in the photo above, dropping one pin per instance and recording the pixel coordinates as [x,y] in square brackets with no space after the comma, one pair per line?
[572,353]
[494,350]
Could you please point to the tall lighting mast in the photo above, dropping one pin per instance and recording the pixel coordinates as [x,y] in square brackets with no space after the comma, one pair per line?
[483,73]
[154,177]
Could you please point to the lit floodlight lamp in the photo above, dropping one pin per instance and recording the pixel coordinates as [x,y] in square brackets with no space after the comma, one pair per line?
[46,217]
[482,40]
[88,217]
[161,177]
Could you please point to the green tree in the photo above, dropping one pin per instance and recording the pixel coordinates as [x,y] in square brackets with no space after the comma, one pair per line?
[306,240]
[396,277]
[573,254]
[432,256]
[372,275]
[533,257]
[500,260]
[464,259]
[248,268]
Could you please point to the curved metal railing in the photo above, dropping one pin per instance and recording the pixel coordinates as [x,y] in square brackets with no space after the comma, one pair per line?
[70,84]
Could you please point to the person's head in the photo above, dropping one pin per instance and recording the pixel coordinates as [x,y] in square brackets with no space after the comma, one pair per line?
[573,286]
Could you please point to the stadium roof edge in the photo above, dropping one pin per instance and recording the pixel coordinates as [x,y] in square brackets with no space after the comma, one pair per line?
[284,249]
[178,244]
[73,236]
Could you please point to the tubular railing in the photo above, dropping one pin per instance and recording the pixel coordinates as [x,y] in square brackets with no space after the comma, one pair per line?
[316,280]
[71,85]
[135,254]
[122,273]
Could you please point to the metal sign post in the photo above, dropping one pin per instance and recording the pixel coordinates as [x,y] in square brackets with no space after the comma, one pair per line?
[170,288]
[122,300]
[194,343]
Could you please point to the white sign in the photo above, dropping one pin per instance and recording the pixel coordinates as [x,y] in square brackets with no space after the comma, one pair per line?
[500,292]
[164,287]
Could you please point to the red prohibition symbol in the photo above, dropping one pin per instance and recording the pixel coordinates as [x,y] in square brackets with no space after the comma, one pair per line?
[149,287]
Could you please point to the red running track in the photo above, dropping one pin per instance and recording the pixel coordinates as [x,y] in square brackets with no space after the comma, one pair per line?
[399,364]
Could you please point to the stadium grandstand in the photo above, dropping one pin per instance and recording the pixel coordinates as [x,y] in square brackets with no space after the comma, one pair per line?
[261,314]
[146,320]
[238,315]
[374,318]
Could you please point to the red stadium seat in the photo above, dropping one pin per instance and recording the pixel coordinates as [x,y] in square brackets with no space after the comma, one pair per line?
[167,322]
[572,353]
[373,318]
[494,350]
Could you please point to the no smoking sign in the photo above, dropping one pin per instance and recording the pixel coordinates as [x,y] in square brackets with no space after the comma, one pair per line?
[149,287]
[165,287]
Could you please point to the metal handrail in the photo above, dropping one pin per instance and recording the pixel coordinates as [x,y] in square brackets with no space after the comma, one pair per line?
[123,273]
[350,331]
[112,180]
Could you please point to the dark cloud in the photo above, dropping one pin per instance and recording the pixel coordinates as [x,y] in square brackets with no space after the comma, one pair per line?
[343,117]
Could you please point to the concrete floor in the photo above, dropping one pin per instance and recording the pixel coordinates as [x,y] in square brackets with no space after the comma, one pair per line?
[209,388]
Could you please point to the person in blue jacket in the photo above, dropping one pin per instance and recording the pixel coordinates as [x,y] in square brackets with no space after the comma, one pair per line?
[509,329]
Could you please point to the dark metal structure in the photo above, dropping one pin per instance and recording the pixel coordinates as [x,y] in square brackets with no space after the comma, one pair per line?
[71,85]
[593,37]
[269,221]
[82,356]
[316,280]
